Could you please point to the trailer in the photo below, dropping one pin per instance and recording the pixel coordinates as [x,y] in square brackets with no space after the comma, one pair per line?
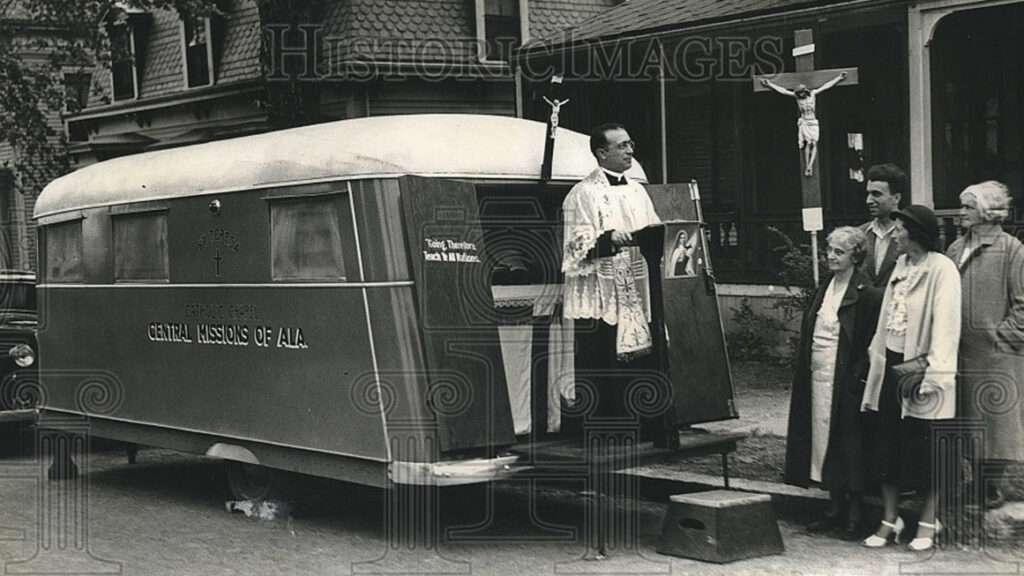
[373,300]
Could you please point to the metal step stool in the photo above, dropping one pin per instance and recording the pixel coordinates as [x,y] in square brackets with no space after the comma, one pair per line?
[720,526]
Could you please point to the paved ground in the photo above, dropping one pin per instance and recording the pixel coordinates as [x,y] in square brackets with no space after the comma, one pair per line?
[166,515]
[762,411]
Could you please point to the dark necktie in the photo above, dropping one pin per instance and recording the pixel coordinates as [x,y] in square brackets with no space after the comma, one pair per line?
[615,180]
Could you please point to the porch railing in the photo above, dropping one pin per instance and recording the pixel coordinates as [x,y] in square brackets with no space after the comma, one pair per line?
[750,251]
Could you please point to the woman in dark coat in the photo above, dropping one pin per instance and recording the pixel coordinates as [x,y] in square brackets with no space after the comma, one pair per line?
[824,443]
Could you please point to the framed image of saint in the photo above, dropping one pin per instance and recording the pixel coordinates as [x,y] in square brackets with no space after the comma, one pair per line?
[683,255]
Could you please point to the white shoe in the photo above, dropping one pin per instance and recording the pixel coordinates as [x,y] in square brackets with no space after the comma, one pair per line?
[927,543]
[895,529]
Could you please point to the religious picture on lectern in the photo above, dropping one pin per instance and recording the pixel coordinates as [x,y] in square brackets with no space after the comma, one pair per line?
[683,255]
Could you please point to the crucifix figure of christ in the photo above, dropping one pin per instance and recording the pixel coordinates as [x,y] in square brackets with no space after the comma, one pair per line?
[804,85]
[800,85]
[549,139]
[808,130]
[556,106]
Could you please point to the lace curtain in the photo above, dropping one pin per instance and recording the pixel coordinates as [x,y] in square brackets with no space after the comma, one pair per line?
[305,238]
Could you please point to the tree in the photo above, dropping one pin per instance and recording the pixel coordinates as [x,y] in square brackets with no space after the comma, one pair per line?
[67,35]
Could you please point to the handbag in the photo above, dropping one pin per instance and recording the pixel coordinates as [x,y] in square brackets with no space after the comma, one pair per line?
[910,373]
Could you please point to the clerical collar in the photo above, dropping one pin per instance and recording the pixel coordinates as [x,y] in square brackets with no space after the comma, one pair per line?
[614,178]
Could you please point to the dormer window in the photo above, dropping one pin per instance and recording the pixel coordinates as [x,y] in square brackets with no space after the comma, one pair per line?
[126,29]
[501,27]
[201,39]
[122,63]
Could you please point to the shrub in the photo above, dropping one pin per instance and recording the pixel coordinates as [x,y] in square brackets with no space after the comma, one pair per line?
[796,273]
[755,335]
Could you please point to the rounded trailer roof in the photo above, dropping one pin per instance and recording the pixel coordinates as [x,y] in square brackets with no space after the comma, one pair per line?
[439,145]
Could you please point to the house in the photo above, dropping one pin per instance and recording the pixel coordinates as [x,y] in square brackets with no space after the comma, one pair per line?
[23,174]
[254,66]
[940,92]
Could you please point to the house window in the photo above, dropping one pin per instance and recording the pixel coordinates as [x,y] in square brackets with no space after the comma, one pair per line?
[201,42]
[64,252]
[123,72]
[126,29]
[76,90]
[198,59]
[305,239]
[500,27]
[140,247]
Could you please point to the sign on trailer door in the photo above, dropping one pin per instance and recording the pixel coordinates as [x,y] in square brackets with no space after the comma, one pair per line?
[467,391]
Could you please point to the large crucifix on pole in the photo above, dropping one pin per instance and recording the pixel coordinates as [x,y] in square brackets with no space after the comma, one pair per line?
[804,85]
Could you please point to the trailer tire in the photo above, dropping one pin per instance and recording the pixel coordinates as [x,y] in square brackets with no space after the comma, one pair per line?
[252,481]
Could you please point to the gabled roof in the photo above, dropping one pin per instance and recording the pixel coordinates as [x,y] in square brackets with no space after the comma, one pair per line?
[440,145]
[635,17]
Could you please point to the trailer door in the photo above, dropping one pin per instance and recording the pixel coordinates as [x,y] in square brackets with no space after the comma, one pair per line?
[467,390]
[698,363]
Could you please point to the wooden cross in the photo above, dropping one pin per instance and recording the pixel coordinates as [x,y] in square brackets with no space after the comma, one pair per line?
[813,82]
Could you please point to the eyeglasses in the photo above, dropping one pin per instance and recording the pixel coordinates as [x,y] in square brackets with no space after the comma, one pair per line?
[623,145]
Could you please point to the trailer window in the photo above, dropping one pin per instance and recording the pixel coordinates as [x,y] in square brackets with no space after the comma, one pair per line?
[305,239]
[64,252]
[140,247]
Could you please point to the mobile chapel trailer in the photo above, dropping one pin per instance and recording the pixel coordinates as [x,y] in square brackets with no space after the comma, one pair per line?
[326,299]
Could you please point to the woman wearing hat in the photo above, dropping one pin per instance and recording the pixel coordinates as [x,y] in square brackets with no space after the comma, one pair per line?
[919,320]
[824,439]
[991,380]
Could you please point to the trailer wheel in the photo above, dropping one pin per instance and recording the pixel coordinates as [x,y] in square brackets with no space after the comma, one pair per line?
[252,481]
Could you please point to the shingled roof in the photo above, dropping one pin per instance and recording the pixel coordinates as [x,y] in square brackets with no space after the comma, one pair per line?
[420,30]
[548,17]
[641,16]
[162,70]
[432,30]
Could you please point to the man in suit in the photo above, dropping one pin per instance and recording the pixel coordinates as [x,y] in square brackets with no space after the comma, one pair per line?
[885,189]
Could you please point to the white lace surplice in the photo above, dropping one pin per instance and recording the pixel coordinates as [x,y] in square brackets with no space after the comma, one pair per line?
[592,208]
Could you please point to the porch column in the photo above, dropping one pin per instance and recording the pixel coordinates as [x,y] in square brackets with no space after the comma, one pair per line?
[922,19]
[919,67]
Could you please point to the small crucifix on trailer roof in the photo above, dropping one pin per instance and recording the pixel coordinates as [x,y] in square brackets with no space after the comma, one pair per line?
[549,139]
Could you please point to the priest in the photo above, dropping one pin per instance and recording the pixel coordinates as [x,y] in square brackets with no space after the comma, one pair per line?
[606,289]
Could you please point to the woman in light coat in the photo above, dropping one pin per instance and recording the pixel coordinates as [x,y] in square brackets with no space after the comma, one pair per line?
[920,316]
[991,371]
